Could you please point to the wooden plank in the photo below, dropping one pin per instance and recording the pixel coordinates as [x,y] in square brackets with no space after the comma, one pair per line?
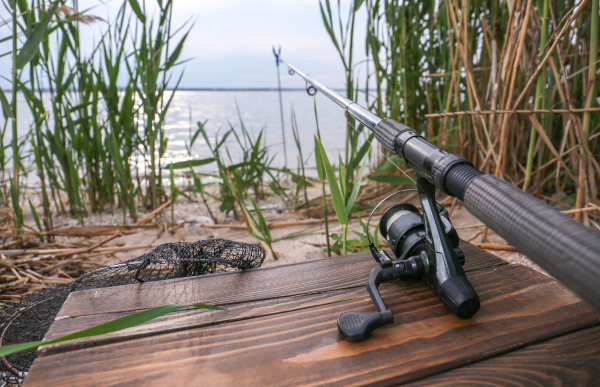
[570,360]
[519,307]
[234,287]
[189,318]
[194,318]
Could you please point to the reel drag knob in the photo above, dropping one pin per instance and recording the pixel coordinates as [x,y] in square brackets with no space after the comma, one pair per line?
[460,297]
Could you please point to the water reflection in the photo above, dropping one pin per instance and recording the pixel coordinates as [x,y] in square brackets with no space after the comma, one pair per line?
[257,109]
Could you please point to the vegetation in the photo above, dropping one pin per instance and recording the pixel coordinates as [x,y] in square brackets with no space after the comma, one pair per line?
[115,325]
[461,73]
[86,132]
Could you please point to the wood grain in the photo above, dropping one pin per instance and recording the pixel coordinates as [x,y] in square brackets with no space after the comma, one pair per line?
[519,307]
[194,318]
[188,319]
[570,360]
[343,272]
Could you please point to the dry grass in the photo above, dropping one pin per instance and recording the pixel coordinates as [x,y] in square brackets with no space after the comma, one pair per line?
[517,102]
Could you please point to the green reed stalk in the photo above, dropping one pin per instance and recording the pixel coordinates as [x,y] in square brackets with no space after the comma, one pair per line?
[343,41]
[337,193]
[121,138]
[539,96]
[342,204]
[15,139]
[153,64]
[300,158]
[321,174]
[115,325]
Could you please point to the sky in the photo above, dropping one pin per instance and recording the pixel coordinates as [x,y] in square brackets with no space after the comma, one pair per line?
[230,45]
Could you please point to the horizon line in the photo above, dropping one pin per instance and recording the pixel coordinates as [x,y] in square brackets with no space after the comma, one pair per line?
[223,89]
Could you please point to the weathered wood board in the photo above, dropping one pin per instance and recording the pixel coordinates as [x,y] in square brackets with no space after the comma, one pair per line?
[312,286]
[570,360]
[282,329]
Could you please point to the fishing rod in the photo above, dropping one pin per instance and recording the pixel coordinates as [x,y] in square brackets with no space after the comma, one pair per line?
[426,245]
[277,54]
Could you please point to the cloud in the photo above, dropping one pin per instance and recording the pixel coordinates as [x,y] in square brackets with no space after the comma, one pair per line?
[230,43]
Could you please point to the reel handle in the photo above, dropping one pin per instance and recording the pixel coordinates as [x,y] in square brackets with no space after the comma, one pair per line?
[357,326]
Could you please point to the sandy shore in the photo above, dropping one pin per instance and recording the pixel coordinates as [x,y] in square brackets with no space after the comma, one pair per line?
[297,249]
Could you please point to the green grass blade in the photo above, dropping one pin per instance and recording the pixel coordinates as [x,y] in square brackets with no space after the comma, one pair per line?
[15,203]
[135,6]
[260,238]
[578,72]
[328,26]
[36,218]
[30,47]
[220,143]
[111,326]
[342,177]
[387,163]
[6,109]
[336,193]
[357,159]
[355,190]
[262,223]
[319,161]
[195,136]
[357,4]
[192,163]
[253,225]
[174,190]
[176,52]
[391,179]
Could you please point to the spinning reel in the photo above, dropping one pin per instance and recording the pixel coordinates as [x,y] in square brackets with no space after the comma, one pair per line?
[425,246]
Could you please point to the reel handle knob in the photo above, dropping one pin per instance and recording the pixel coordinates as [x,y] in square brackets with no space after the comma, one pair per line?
[357,326]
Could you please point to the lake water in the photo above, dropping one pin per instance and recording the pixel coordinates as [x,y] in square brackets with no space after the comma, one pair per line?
[258,109]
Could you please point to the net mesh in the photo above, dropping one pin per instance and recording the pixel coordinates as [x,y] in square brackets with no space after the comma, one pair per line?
[31,317]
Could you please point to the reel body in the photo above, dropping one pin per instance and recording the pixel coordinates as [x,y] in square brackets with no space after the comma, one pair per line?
[425,246]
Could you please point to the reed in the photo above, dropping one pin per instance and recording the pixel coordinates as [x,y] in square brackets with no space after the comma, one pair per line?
[198,187]
[322,176]
[301,161]
[84,140]
[150,70]
[342,37]
[464,57]
[459,72]
[342,203]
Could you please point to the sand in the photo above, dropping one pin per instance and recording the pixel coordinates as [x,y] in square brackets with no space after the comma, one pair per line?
[298,249]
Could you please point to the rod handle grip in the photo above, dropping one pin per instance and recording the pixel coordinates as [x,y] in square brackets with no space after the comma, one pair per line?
[566,249]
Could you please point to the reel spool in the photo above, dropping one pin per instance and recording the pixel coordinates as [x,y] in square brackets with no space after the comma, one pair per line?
[425,246]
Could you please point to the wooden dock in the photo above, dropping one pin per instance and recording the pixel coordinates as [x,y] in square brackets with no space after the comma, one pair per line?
[281,330]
